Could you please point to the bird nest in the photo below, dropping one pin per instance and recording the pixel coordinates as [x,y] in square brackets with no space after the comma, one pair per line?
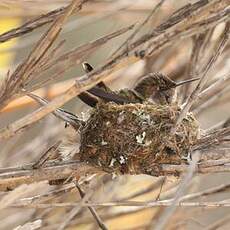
[134,138]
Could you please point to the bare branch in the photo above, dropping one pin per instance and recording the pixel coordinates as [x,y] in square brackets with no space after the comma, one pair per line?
[92,210]
[165,217]
[23,72]
[194,95]
[46,156]
[12,177]
[33,24]
[163,203]
[154,10]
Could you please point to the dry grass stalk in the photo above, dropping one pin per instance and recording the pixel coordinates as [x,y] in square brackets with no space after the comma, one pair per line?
[204,77]
[209,151]
[68,59]
[12,177]
[22,74]
[32,25]
[22,190]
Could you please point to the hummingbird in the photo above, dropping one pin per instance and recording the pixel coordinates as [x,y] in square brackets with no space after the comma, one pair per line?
[155,86]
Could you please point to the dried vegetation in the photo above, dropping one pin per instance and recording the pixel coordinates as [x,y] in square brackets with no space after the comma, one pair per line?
[53,185]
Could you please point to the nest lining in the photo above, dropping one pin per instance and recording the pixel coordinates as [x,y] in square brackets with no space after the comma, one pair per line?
[132,138]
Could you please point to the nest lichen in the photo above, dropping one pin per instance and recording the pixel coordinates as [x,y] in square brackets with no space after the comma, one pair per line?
[131,138]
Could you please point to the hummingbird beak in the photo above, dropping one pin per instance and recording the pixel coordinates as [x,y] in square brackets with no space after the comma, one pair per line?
[187,81]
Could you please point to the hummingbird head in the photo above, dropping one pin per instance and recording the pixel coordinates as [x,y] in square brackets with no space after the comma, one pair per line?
[159,87]
[154,82]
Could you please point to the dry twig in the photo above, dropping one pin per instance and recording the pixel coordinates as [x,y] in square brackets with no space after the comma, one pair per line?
[197,21]
[203,79]
[22,74]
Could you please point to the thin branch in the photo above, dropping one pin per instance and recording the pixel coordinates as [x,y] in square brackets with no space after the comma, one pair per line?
[150,188]
[47,196]
[212,138]
[22,190]
[12,177]
[166,215]
[68,117]
[92,210]
[213,88]
[33,24]
[207,192]
[69,217]
[30,225]
[164,203]
[211,100]
[76,56]
[216,126]
[51,151]
[194,65]
[219,223]
[23,72]
[188,21]
[203,79]
[154,10]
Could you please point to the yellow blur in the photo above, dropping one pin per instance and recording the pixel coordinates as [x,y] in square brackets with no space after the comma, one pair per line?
[6,48]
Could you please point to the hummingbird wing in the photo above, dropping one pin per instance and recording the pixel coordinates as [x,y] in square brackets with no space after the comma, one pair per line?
[108,96]
[88,99]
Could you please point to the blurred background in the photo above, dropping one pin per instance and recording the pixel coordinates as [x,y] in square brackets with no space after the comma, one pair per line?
[95,20]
